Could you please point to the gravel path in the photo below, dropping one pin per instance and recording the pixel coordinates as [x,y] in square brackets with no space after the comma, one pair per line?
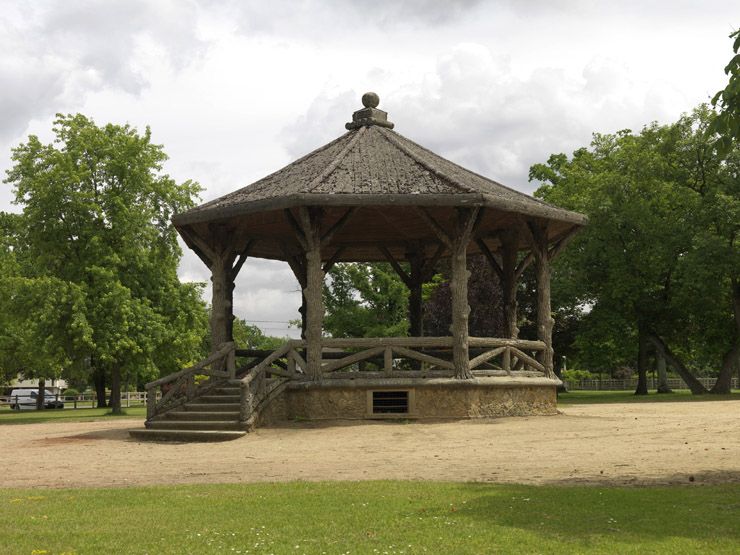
[614,444]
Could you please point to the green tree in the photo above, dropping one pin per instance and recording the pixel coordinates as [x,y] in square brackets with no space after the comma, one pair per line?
[365,300]
[656,264]
[96,210]
[727,125]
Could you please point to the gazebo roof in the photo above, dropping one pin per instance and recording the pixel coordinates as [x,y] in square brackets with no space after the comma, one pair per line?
[369,166]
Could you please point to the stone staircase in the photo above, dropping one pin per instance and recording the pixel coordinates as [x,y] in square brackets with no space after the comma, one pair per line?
[213,416]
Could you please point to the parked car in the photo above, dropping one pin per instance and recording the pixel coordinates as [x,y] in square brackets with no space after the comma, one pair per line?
[25,399]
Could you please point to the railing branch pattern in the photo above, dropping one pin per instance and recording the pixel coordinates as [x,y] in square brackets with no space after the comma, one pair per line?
[266,373]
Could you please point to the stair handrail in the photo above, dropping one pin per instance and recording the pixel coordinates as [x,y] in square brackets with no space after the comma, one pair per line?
[226,351]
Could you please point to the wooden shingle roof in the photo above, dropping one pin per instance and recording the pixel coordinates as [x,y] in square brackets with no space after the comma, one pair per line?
[374,167]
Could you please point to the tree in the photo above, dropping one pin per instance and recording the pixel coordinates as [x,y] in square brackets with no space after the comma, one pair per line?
[657,263]
[484,298]
[365,300]
[727,125]
[96,210]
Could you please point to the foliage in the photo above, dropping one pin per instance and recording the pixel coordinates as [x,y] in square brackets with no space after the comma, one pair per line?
[365,300]
[727,125]
[661,241]
[576,375]
[247,336]
[42,326]
[484,298]
[96,209]
[369,517]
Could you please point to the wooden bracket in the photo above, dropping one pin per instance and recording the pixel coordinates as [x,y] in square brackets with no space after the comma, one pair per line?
[495,264]
[438,230]
[242,258]
[297,229]
[329,264]
[340,223]
[427,269]
[405,277]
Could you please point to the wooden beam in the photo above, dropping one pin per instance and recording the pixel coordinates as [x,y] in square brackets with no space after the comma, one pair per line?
[405,277]
[242,258]
[201,248]
[438,229]
[427,270]
[490,257]
[340,223]
[297,229]
[524,264]
[329,264]
[560,245]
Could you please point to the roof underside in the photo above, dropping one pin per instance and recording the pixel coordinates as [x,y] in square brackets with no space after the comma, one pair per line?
[383,175]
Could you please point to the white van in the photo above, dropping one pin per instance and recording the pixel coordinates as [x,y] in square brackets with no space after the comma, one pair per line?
[25,399]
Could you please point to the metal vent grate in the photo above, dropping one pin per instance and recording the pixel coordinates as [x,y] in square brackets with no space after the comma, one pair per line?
[390,402]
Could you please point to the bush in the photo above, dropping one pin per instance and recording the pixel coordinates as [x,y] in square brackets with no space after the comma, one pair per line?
[577,375]
[70,392]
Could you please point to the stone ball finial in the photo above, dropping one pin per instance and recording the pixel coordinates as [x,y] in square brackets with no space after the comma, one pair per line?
[370,100]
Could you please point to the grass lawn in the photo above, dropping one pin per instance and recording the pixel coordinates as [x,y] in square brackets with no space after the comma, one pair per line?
[8,416]
[583,397]
[371,517]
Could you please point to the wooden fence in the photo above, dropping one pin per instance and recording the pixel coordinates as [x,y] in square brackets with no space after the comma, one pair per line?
[83,401]
[631,384]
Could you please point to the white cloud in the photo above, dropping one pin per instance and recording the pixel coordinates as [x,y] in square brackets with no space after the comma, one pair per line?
[235,90]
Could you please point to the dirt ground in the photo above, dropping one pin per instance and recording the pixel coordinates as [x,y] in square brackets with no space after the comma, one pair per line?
[616,444]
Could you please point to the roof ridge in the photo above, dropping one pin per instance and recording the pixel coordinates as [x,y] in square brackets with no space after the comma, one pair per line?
[439,173]
[334,163]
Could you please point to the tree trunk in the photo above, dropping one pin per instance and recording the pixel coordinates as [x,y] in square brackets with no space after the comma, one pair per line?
[545,321]
[416,313]
[115,390]
[642,361]
[460,312]
[663,386]
[40,401]
[694,385]
[314,310]
[99,381]
[221,309]
[510,250]
[731,360]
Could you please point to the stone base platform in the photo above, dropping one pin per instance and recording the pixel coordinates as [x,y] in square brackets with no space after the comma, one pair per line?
[413,398]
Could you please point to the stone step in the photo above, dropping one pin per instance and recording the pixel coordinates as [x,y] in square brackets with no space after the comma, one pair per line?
[227,390]
[186,435]
[211,407]
[218,399]
[199,415]
[194,425]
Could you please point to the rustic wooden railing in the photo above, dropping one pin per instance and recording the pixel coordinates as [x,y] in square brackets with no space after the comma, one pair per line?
[267,372]
[180,387]
[268,375]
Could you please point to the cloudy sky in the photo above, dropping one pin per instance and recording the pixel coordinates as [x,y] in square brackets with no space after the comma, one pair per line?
[236,89]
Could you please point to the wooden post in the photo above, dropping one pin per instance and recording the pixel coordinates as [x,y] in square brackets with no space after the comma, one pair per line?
[545,321]
[221,301]
[416,279]
[151,402]
[466,220]
[310,226]
[509,251]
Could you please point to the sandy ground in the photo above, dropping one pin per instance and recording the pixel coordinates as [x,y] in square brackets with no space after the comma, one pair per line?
[619,444]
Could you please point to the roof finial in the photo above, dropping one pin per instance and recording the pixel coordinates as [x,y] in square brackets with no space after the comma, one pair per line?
[369,115]
[370,100]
